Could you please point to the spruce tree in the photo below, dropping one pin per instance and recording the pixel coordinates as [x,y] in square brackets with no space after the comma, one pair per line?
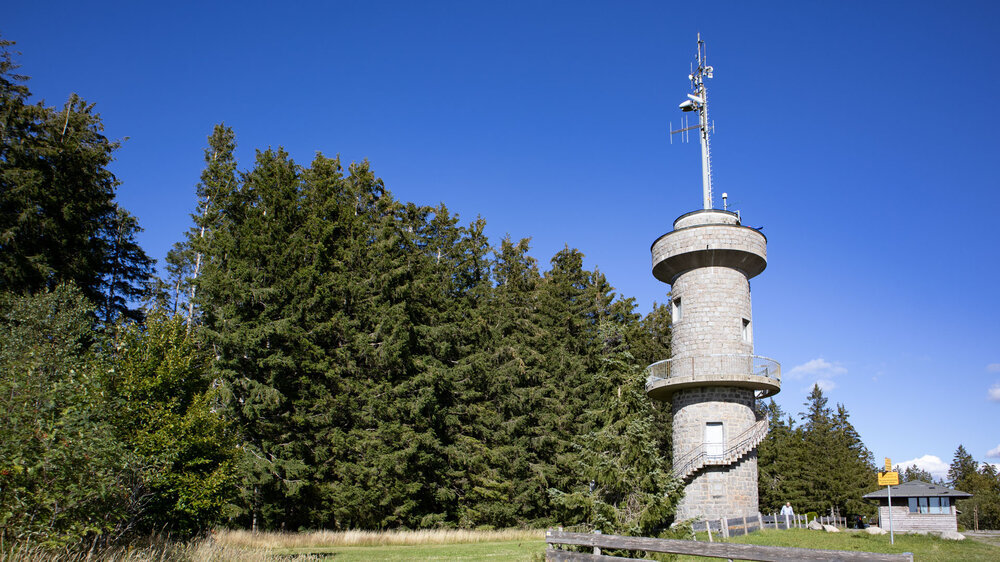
[58,219]
[854,475]
[983,483]
[218,182]
[834,468]
[780,462]
[128,270]
[505,395]
[913,474]
[650,340]
[626,485]
[569,359]
[962,468]
[245,303]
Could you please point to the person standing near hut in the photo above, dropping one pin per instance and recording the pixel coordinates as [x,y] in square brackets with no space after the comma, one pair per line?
[788,514]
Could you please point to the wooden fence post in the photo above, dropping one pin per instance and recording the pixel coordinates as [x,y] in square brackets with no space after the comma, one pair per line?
[760,521]
[597,549]
[725,527]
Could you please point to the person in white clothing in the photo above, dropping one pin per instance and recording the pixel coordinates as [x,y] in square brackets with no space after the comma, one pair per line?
[787,509]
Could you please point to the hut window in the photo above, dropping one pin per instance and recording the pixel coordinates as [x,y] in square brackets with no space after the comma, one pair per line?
[929,505]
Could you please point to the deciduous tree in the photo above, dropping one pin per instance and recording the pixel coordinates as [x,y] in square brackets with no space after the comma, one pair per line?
[168,413]
[63,475]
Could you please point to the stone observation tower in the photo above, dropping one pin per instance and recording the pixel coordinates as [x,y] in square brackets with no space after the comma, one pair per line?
[713,377]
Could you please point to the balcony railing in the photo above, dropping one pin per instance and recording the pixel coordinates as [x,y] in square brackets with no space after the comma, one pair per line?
[709,366]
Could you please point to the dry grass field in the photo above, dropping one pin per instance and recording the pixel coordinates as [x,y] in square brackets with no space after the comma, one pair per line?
[233,546]
[314,539]
[158,551]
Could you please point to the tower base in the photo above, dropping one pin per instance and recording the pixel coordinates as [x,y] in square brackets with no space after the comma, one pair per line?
[722,481]
[721,491]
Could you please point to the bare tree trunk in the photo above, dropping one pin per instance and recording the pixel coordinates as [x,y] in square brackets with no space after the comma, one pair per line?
[197,269]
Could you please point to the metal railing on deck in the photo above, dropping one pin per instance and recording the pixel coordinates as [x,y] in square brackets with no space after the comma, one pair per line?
[709,365]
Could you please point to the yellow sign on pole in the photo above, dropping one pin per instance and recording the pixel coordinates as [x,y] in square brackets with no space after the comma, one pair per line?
[888,478]
[888,465]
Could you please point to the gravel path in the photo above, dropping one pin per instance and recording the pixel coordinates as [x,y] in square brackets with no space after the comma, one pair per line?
[988,537]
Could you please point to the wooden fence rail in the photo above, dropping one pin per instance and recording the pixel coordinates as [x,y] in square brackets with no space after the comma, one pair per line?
[709,550]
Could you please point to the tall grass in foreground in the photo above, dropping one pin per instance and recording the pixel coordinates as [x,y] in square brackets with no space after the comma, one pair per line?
[156,551]
[233,546]
[308,539]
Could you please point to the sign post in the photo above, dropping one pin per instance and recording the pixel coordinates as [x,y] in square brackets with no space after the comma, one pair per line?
[889,478]
[892,536]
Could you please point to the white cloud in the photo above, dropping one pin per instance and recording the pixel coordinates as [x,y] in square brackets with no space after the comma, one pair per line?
[994,392]
[993,453]
[937,467]
[817,367]
[826,385]
[993,367]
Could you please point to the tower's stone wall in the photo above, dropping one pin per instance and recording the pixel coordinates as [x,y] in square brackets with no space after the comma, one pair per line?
[716,491]
[729,245]
[710,237]
[694,407]
[714,302]
[722,491]
[706,216]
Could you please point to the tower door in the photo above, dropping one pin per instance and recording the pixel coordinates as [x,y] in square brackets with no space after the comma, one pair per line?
[714,440]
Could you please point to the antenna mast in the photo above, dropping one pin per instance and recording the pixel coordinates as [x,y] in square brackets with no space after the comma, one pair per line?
[698,101]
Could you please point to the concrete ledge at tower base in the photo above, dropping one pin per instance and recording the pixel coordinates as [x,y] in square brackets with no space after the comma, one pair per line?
[695,548]
[661,389]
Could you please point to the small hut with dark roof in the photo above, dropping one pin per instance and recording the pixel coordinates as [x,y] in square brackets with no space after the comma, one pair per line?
[918,506]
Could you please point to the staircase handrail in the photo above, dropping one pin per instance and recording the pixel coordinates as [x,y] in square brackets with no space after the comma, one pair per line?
[694,460]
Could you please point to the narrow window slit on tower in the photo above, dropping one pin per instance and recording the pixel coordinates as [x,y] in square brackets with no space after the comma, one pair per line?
[675,310]
[747,331]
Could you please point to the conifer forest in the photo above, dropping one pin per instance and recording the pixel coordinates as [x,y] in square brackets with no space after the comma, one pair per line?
[317,354]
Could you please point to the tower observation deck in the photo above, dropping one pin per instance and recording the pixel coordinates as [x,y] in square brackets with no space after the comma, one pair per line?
[713,377]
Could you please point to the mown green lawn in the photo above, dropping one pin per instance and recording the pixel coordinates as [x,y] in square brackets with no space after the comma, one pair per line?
[923,547]
[510,550]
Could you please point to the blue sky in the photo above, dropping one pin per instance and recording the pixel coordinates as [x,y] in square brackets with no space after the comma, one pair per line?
[861,136]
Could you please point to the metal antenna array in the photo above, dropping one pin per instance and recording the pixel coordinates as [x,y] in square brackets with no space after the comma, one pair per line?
[698,101]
